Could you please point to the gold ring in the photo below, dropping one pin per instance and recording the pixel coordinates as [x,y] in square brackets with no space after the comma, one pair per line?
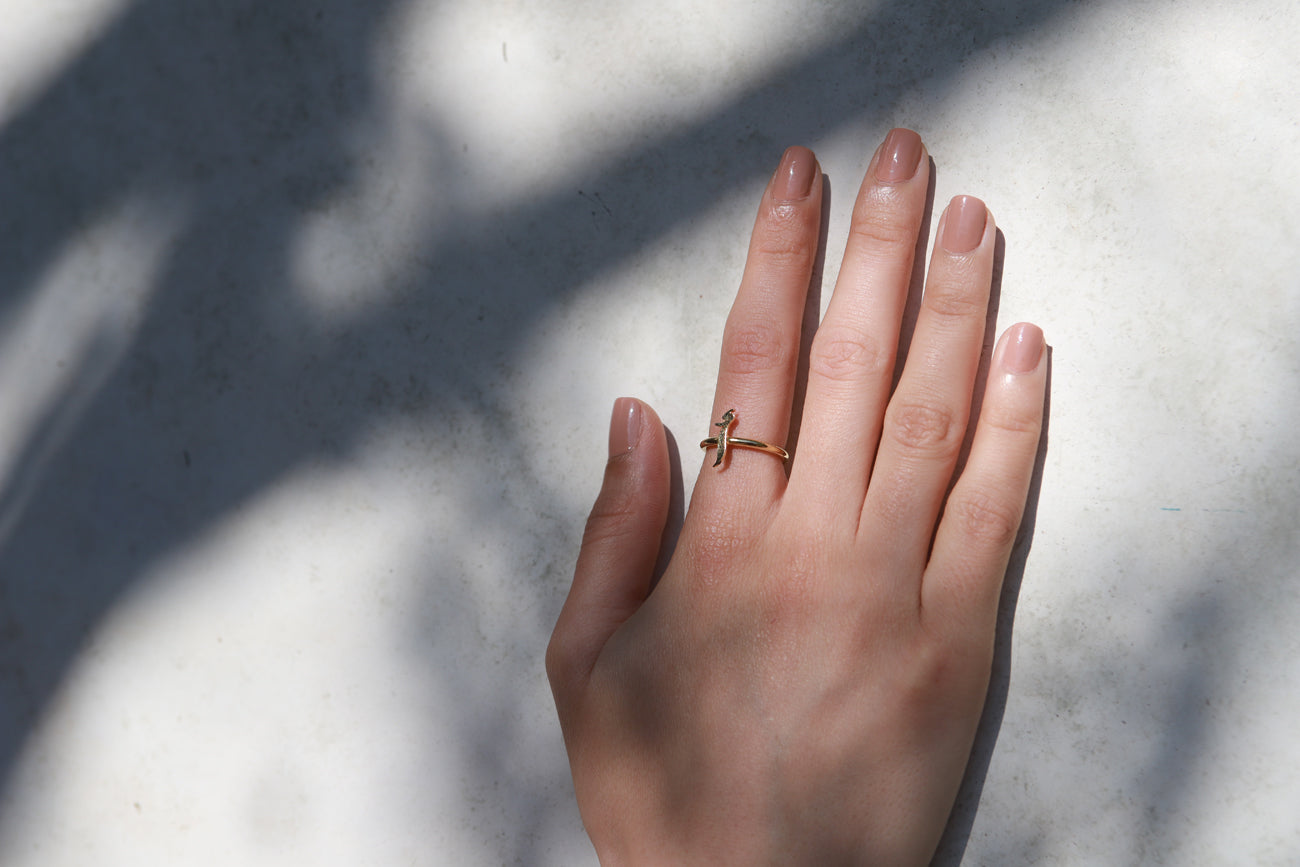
[725,440]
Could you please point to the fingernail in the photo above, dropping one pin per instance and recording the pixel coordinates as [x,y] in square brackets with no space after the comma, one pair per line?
[794,177]
[963,227]
[899,156]
[1022,348]
[624,426]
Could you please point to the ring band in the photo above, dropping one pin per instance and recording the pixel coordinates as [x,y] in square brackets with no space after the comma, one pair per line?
[724,441]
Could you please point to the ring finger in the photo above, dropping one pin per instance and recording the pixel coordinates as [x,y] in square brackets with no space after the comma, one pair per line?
[760,346]
[926,419]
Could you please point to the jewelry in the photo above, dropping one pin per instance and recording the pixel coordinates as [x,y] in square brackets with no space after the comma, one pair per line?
[725,441]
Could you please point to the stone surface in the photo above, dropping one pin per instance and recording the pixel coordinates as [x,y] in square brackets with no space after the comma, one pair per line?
[311,318]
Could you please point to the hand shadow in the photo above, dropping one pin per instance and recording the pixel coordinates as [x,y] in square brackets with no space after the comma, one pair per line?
[952,846]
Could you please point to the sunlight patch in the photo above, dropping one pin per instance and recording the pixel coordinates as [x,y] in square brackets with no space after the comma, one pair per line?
[38,40]
[351,254]
[79,319]
[241,702]
[551,116]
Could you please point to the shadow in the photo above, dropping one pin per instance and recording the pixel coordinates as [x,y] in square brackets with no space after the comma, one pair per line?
[224,107]
[952,846]
[1167,779]
[916,286]
[988,343]
[676,510]
[812,317]
[257,118]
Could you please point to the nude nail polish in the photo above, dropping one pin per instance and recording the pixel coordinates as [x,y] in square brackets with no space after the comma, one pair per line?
[1022,348]
[900,156]
[624,426]
[964,224]
[794,177]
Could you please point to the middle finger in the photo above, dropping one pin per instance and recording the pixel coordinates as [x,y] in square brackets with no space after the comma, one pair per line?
[926,420]
[851,363]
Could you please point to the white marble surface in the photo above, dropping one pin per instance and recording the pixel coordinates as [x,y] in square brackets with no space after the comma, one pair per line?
[311,314]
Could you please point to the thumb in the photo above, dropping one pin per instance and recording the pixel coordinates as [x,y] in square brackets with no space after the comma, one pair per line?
[619,546]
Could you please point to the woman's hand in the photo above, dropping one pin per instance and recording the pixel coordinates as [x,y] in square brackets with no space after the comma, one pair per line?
[804,683]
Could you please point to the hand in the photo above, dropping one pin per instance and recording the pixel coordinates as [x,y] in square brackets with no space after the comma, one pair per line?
[803,684]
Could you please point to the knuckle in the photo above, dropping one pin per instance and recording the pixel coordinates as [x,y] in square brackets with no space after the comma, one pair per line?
[982,517]
[1026,423]
[716,554]
[843,354]
[882,228]
[784,235]
[557,659]
[563,660]
[612,516]
[926,428]
[930,668]
[754,347]
[796,584]
[939,676]
[803,562]
[923,680]
[962,301]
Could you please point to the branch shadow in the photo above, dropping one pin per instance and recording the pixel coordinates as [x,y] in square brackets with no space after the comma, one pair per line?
[257,116]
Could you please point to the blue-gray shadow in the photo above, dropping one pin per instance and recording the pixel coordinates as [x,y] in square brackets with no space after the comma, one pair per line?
[248,112]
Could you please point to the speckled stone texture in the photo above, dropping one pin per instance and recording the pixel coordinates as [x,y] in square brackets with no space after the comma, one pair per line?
[311,315]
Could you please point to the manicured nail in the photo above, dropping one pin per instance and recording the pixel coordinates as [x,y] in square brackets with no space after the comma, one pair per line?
[963,227]
[794,177]
[1022,347]
[899,156]
[624,426]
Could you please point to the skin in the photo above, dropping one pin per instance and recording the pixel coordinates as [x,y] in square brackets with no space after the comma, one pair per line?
[803,684]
